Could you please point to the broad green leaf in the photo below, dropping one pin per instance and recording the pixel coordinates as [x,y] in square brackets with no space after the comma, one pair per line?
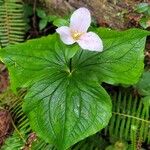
[122,59]
[64,110]
[28,62]
[65,102]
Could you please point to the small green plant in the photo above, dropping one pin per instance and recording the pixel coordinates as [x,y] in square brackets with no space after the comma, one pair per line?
[45,19]
[144,9]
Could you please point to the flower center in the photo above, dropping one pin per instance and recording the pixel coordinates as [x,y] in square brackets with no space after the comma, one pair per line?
[76,35]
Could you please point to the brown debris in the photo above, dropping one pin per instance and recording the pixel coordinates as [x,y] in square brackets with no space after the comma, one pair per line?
[114,13]
[147,54]
[5,125]
[132,19]
[3,78]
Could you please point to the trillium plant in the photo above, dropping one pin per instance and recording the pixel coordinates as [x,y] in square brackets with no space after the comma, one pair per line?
[62,74]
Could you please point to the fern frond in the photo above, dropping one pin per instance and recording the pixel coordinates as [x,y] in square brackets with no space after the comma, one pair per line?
[14,142]
[12,23]
[130,120]
[19,121]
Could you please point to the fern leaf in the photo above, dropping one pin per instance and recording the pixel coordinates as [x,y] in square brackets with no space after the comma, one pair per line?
[130,120]
[18,139]
[14,142]
[12,23]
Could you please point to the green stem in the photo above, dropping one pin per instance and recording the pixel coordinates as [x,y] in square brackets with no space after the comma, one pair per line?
[70,65]
[18,132]
[126,115]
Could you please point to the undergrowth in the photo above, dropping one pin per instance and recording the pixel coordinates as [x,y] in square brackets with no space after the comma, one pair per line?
[129,122]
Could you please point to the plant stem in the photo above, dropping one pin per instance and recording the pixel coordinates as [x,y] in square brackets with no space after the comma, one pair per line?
[18,132]
[70,65]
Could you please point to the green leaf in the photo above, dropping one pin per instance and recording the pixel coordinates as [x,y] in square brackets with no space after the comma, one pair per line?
[64,110]
[142,7]
[24,72]
[122,60]
[143,86]
[51,18]
[41,13]
[28,10]
[42,24]
[60,22]
[146,101]
[144,22]
[65,102]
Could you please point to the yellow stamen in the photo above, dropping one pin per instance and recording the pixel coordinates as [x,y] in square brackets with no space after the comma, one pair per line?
[76,35]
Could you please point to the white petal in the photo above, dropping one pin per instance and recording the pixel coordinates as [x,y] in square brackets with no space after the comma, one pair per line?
[80,20]
[65,35]
[90,41]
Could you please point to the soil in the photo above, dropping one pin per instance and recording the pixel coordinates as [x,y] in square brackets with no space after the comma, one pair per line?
[4,82]
[5,125]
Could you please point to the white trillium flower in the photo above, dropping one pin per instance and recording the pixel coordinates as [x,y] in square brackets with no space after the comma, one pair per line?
[77,32]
